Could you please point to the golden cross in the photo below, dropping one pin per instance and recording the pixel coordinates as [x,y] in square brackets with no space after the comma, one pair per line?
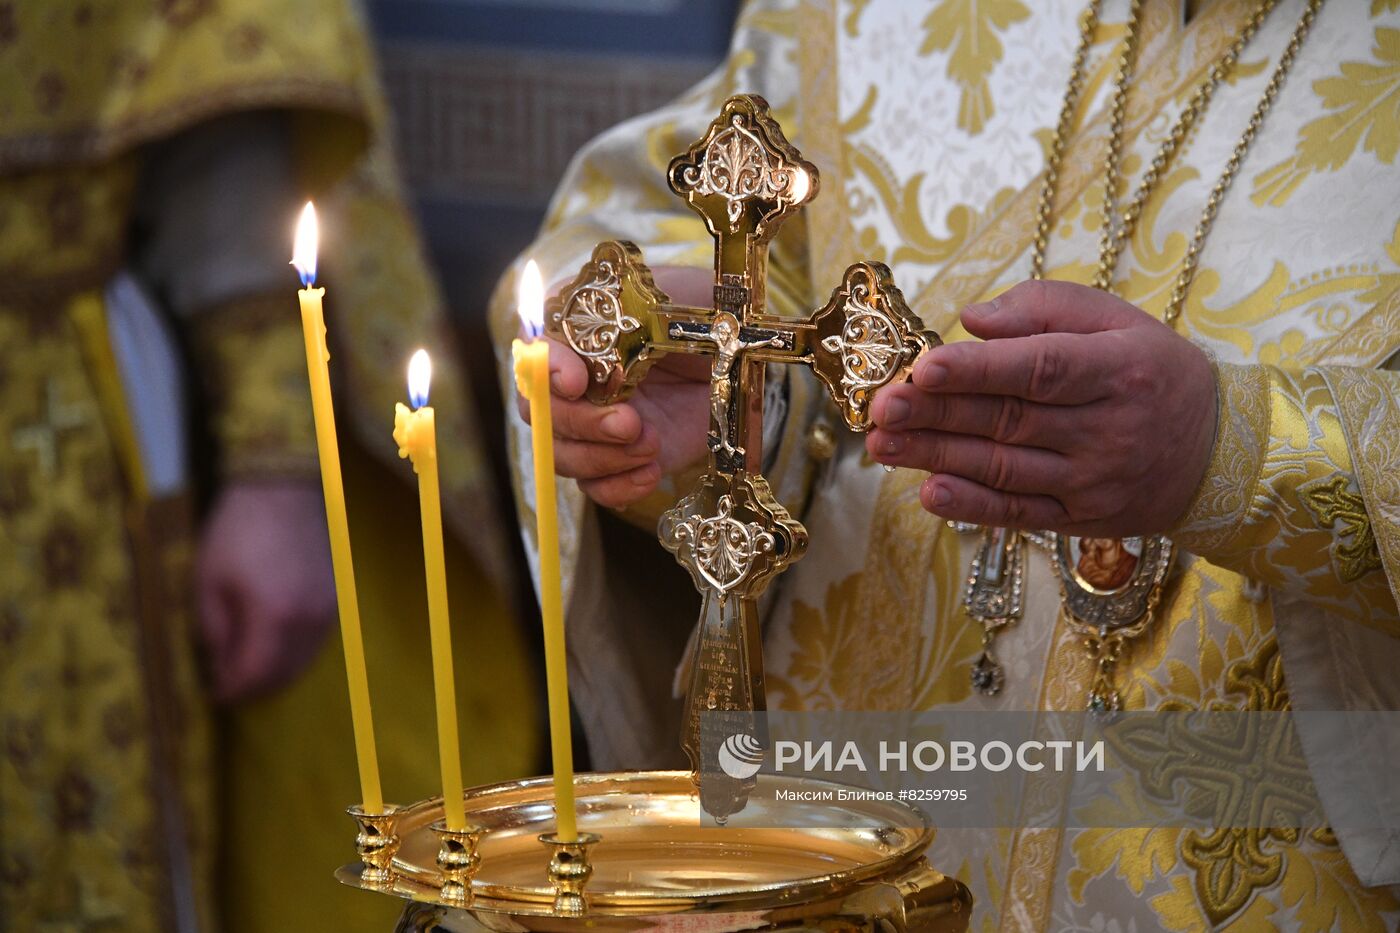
[43,436]
[744,179]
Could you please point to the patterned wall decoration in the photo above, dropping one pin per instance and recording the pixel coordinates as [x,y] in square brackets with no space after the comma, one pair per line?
[501,125]
[492,97]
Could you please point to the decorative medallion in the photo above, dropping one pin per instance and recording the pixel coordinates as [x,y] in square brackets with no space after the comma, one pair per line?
[1110,588]
[593,318]
[744,160]
[724,547]
[600,314]
[869,345]
[736,166]
[866,338]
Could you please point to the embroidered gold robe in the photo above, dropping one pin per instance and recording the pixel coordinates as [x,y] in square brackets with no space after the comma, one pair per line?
[109,808]
[929,123]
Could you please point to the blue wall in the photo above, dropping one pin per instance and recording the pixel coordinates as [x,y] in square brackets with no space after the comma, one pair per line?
[662,28]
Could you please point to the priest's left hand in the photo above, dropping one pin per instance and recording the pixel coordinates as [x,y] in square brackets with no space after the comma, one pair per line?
[265,585]
[1076,413]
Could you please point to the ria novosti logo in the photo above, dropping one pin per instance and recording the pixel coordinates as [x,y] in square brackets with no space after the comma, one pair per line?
[741,756]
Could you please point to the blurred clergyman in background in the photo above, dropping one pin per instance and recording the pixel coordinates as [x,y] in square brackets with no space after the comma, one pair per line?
[158,457]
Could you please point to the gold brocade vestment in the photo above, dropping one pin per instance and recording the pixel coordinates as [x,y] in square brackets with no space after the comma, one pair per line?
[929,122]
[110,813]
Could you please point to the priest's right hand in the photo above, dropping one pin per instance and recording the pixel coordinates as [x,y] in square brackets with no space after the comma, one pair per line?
[619,452]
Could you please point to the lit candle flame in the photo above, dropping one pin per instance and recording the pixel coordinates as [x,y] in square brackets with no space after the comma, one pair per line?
[531,300]
[304,247]
[420,374]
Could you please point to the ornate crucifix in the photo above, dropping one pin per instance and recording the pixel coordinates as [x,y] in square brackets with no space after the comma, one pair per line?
[744,179]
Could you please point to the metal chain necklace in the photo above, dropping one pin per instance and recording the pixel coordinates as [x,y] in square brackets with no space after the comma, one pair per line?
[1115,234]
[1110,587]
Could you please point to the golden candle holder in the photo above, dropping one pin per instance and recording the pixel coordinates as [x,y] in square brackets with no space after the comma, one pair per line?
[458,860]
[807,859]
[377,841]
[569,871]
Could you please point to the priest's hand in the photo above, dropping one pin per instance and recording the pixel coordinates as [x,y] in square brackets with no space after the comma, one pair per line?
[1077,413]
[265,586]
[618,453]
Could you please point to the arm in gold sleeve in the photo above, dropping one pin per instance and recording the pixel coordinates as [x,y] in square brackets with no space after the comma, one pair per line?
[1302,493]
[257,402]
[213,234]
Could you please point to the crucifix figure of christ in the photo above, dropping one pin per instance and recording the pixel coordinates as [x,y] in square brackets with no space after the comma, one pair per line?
[743,178]
[729,343]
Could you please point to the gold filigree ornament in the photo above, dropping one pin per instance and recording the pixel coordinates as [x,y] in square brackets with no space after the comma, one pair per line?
[871,342]
[594,319]
[724,551]
[746,162]
[743,178]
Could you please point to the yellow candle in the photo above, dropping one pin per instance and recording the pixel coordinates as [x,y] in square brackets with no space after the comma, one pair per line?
[532,379]
[415,431]
[313,325]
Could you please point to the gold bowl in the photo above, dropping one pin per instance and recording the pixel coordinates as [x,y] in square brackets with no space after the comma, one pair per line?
[799,854]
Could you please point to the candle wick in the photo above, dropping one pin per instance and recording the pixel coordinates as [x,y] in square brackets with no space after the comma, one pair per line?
[308,278]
